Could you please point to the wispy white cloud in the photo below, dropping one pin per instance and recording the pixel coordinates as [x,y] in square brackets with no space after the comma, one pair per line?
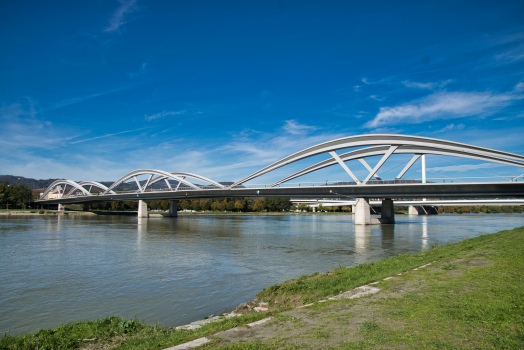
[429,86]
[463,168]
[444,105]
[376,98]
[118,18]
[107,135]
[139,72]
[510,56]
[162,115]
[450,127]
[293,127]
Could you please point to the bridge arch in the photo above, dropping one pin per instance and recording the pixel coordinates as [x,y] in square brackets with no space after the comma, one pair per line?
[151,173]
[183,175]
[73,184]
[91,183]
[386,145]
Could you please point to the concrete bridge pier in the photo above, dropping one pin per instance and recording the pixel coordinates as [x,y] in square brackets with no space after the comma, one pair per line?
[388,212]
[142,209]
[363,216]
[173,205]
[422,210]
[61,207]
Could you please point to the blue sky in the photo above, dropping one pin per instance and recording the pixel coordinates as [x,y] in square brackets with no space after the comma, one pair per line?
[92,90]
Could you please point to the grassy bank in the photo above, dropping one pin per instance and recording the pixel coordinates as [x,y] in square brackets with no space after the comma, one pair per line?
[117,333]
[472,296]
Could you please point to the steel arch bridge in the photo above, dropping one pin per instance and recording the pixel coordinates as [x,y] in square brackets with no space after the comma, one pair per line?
[364,146]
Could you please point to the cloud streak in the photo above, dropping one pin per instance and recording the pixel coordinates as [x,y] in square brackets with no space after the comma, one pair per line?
[107,135]
[117,19]
[162,115]
[293,127]
[444,105]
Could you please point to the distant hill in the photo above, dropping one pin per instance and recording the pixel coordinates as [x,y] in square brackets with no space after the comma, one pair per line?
[129,186]
[32,183]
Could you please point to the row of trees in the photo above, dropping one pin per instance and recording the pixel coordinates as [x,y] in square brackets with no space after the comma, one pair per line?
[15,196]
[246,204]
[481,209]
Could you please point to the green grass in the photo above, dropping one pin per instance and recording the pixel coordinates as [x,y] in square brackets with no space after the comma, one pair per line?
[117,333]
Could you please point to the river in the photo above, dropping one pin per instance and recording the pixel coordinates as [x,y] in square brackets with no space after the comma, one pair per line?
[172,271]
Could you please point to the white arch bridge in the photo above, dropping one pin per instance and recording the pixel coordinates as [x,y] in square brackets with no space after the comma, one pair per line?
[361,147]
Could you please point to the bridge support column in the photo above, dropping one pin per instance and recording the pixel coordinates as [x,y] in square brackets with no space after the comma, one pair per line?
[388,212]
[86,207]
[142,209]
[61,207]
[412,210]
[422,210]
[362,215]
[173,205]
[353,208]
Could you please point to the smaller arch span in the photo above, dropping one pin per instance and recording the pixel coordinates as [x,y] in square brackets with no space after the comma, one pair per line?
[65,182]
[151,172]
[183,174]
[90,183]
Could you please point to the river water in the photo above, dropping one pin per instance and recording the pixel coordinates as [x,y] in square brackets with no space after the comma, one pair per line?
[172,271]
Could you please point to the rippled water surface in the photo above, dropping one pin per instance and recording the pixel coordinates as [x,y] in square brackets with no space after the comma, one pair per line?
[173,271]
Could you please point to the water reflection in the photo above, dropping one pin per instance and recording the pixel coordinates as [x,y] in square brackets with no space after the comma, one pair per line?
[425,236]
[362,237]
[388,236]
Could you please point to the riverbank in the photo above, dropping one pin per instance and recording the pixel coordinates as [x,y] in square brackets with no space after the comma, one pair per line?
[466,294]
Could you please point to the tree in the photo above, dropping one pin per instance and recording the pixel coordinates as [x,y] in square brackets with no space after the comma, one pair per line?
[195,205]
[15,196]
[320,207]
[230,206]
[184,205]
[259,205]
[277,203]
[238,205]
[302,207]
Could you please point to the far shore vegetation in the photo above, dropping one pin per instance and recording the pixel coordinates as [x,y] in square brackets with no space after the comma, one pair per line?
[470,297]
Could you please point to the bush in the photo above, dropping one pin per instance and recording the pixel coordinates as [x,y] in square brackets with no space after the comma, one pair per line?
[41,212]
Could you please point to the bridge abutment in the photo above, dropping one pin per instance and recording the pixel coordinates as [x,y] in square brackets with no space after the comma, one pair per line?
[142,209]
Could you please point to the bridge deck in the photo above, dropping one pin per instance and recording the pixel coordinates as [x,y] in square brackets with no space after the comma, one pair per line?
[413,190]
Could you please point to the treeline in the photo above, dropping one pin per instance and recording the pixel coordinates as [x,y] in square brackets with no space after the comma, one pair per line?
[245,204]
[15,196]
[486,209]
